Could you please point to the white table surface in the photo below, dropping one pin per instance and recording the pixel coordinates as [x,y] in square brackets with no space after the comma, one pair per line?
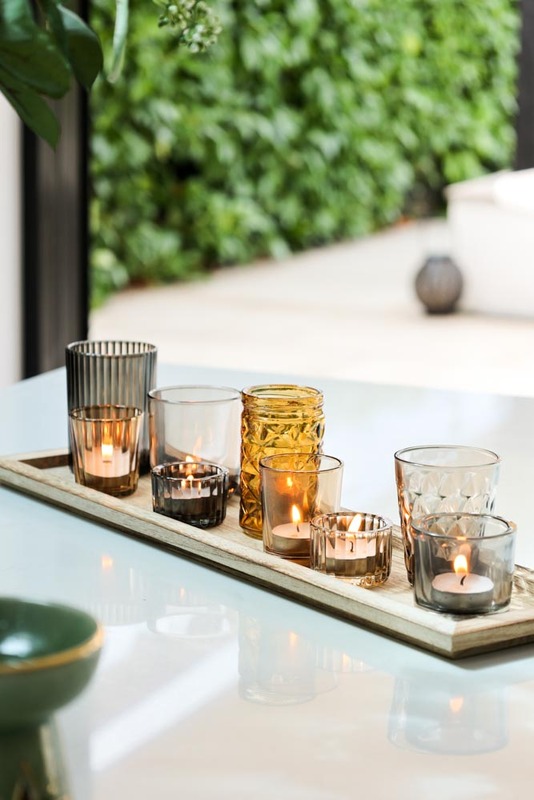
[350,713]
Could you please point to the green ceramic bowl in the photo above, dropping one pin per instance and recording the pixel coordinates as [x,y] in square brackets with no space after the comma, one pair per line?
[48,654]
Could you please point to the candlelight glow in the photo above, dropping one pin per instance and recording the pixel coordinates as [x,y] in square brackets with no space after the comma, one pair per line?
[197,447]
[289,482]
[456,704]
[107,452]
[355,525]
[460,565]
[106,562]
[295,515]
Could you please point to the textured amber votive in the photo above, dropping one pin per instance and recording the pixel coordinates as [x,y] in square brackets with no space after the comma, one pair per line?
[280,418]
[105,441]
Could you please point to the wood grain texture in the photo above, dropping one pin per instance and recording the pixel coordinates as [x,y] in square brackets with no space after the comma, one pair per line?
[389,609]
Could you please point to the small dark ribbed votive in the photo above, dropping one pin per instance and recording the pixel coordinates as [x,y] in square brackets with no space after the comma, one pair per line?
[190,491]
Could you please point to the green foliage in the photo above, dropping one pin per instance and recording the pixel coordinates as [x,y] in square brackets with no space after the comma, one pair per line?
[310,121]
[39,54]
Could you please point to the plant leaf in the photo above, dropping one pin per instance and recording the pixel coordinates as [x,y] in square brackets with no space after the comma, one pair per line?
[119,39]
[83,48]
[31,108]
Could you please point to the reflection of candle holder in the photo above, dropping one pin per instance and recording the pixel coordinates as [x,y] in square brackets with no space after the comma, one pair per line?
[105,442]
[196,423]
[31,765]
[447,716]
[191,492]
[278,666]
[192,622]
[294,488]
[352,546]
[464,563]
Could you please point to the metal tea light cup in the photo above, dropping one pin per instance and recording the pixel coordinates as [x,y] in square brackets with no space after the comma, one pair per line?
[442,478]
[464,563]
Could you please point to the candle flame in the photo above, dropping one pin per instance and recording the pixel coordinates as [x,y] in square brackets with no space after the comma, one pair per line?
[456,704]
[295,515]
[460,565]
[355,525]
[189,459]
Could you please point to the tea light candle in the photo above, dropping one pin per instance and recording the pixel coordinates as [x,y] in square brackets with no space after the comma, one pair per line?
[292,538]
[107,461]
[462,591]
[351,553]
[195,493]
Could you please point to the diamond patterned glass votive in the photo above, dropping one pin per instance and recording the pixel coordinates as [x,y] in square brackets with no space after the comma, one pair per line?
[442,478]
[105,442]
[294,488]
[354,546]
[192,492]
[464,563]
[280,418]
[198,423]
[112,373]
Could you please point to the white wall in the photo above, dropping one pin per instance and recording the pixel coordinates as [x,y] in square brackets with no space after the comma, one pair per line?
[10,246]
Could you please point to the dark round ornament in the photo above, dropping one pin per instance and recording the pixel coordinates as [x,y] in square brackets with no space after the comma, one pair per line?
[439,284]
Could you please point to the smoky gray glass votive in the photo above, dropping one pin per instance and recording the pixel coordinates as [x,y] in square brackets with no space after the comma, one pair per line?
[192,492]
[354,546]
[196,423]
[464,563]
[112,372]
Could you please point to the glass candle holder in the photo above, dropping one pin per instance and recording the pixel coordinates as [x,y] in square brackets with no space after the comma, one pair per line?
[442,478]
[280,418]
[295,488]
[191,492]
[196,423]
[464,563]
[105,441]
[112,373]
[353,546]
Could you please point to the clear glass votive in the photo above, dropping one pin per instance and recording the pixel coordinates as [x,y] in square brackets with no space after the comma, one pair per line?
[352,545]
[112,373]
[192,492]
[294,488]
[442,478]
[105,442]
[196,423]
[464,563]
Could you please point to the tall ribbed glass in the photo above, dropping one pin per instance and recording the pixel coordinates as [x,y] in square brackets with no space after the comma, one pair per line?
[278,418]
[112,373]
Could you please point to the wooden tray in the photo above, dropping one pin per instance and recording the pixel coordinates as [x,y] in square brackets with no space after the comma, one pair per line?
[389,609]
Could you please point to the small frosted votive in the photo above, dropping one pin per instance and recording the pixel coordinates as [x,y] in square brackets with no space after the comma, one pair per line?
[191,491]
[105,442]
[464,563]
[353,546]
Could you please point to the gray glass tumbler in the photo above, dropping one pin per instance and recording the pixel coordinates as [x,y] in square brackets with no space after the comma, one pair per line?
[112,373]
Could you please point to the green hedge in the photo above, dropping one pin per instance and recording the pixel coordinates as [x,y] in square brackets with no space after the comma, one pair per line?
[310,121]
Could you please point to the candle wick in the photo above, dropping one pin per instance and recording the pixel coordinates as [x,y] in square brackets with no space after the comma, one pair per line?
[298,529]
[463,579]
[352,546]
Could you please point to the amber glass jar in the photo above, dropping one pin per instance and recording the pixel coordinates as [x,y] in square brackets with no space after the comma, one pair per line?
[280,418]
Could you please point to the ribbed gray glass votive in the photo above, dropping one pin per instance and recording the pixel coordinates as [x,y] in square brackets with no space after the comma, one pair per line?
[112,373]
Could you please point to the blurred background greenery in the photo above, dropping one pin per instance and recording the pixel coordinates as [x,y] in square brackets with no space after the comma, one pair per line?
[309,122]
